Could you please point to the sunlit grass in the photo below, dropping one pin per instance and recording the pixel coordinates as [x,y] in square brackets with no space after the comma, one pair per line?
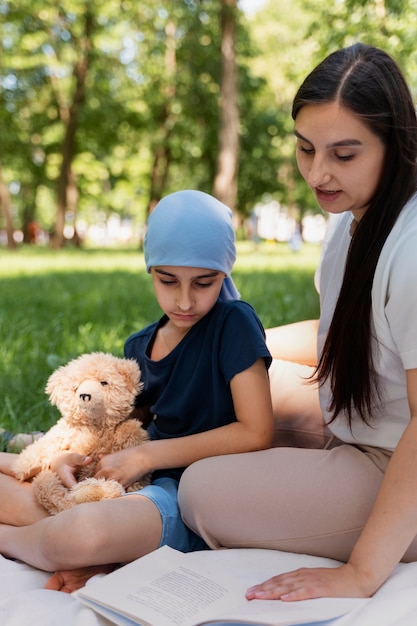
[57,305]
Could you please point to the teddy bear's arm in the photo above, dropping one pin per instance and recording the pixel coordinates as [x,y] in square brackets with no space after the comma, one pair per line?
[38,455]
[129,433]
[142,414]
[35,458]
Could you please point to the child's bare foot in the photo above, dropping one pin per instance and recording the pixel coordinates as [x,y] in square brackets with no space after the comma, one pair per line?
[71,580]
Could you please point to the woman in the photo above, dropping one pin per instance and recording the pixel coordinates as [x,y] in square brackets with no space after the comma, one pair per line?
[356,499]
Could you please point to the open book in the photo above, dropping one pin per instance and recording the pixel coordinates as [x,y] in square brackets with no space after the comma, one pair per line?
[170,588]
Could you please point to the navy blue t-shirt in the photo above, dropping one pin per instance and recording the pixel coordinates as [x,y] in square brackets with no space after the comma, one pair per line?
[188,391]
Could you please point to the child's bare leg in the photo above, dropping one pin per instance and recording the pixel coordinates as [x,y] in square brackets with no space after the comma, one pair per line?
[96,533]
[68,581]
[6,460]
[18,506]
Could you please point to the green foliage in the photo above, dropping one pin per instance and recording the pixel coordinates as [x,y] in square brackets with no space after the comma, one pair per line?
[57,305]
[389,24]
[292,36]
[278,34]
[137,102]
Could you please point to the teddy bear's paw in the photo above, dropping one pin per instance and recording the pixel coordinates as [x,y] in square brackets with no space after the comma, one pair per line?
[140,484]
[23,475]
[50,492]
[94,489]
[24,470]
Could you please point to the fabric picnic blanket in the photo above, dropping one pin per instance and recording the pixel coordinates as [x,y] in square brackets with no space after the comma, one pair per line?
[23,601]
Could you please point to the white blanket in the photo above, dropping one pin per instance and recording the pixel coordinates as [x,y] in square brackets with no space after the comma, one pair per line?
[24,602]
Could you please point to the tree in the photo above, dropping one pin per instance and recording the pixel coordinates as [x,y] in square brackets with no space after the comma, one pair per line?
[61,108]
[5,206]
[67,193]
[389,24]
[106,112]
[291,37]
[277,62]
[162,152]
[225,181]
[181,89]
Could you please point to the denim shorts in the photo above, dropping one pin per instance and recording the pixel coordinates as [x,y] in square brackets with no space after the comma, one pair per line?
[163,493]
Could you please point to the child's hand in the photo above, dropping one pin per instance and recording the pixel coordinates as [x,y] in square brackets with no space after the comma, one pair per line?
[125,466]
[65,464]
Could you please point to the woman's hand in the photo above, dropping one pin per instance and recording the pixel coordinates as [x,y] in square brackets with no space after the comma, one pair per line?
[65,464]
[125,466]
[307,583]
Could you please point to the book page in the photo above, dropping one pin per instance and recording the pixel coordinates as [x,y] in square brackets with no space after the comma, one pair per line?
[179,594]
[162,592]
[169,588]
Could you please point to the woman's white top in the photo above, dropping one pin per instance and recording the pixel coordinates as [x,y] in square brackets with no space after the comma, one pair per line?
[394,324]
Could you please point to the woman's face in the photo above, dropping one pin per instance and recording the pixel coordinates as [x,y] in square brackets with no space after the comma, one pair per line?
[339,157]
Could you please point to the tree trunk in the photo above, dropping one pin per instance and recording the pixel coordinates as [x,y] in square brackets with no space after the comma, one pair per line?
[159,172]
[162,153]
[225,182]
[69,115]
[5,205]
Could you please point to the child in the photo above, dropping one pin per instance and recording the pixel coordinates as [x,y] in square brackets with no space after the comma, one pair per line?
[206,392]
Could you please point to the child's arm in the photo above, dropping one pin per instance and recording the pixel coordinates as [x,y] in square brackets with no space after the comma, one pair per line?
[253,430]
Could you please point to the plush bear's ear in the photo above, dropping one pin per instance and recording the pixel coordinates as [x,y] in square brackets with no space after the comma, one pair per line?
[62,383]
[130,371]
[54,384]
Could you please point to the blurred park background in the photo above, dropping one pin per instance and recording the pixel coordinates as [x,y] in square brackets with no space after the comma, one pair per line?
[108,105]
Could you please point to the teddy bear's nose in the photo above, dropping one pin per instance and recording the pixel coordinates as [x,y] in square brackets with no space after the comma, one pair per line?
[85,397]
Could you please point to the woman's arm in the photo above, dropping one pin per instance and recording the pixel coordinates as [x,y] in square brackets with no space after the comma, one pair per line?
[392,524]
[294,342]
[391,527]
[253,430]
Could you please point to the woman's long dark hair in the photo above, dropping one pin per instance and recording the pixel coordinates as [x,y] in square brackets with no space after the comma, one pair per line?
[368,82]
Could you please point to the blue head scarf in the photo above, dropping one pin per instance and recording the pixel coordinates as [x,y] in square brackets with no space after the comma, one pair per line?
[192,229]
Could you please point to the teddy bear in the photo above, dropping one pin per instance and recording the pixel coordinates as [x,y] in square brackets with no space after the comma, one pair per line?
[95,395]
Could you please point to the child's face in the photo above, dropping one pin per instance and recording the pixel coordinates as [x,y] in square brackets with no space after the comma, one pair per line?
[186,294]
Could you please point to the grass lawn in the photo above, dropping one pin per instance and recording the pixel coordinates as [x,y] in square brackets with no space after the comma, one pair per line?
[55,305]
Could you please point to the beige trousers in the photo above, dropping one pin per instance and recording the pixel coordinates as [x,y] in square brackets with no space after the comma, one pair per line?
[312,500]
